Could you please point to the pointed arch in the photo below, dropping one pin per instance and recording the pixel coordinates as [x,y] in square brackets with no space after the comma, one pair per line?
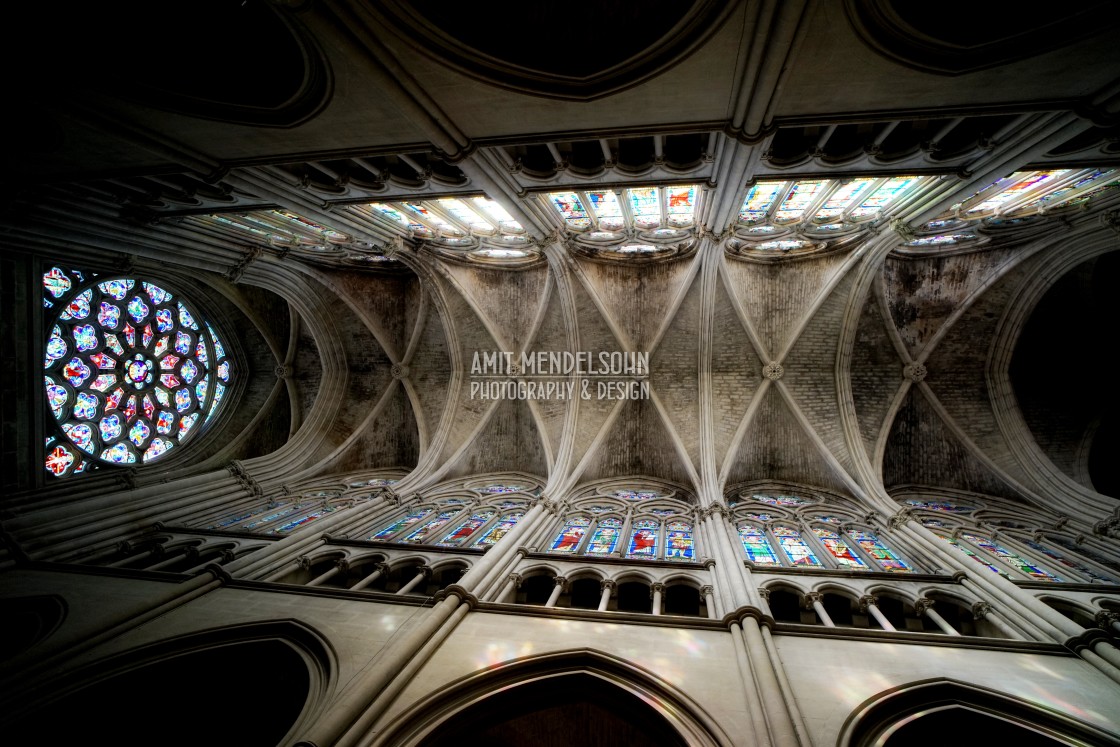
[633,689]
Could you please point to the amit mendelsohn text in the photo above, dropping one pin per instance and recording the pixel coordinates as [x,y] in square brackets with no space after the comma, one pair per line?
[560,363]
[507,375]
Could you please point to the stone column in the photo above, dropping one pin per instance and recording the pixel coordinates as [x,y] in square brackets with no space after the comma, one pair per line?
[513,583]
[813,601]
[984,611]
[557,590]
[423,573]
[379,570]
[605,598]
[655,593]
[924,606]
[709,600]
[870,603]
[340,566]
[301,562]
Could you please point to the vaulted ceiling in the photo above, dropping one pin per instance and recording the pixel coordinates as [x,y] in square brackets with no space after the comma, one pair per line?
[959,364]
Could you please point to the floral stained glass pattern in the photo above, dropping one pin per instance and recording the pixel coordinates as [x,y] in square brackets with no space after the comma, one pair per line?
[98,323]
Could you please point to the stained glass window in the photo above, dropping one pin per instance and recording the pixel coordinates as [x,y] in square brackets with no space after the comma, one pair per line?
[301,520]
[466,529]
[757,546]
[839,549]
[884,195]
[882,554]
[798,200]
[643,539]
[570,207]
[781,500]
[502,488]
[678,541]
[971,554]
[799,554]
[1088,552]
[400,524]
[499,530]
[129,369]
[571,535]
[238,517]
[426,529]
[759,199]
[636,495]
[1068,562]
[605,539]
[1012,559]
[279,513]
[946,506]
[607,209]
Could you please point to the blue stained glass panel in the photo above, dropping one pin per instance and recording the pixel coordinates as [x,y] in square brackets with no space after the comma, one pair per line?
[795,548]
[757,546]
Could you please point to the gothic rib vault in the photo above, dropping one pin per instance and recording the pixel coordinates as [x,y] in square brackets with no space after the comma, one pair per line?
[894,354]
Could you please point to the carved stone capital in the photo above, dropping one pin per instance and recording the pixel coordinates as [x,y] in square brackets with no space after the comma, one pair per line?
[707,590]
[716,509]
[304,562]
[915,372]
[811,598]
[606,584]
[921,605]
[342,564]
[980,610]
[656,588]
[562,582]
[1105,619]
[866,601]
[900,518]
[904,231]
[764,593]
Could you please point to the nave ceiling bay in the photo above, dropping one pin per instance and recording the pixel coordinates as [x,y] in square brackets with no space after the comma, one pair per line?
[887,344]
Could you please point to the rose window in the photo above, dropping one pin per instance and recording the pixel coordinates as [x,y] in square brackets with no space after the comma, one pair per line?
[131,371]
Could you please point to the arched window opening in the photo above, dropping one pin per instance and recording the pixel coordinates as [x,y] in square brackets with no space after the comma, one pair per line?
[894,609]
[535,589]
[556,712]
[929,730]
[785,605]
[839,608]
[682,599]
[257,666]
[27,621]
[402,575]
[584,594]
[634,596]
[1071,611]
